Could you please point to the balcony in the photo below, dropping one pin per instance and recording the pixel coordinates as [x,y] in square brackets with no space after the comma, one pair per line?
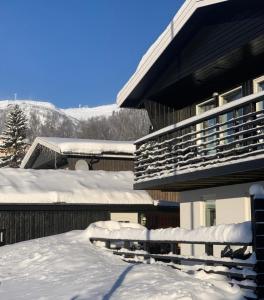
[219,147]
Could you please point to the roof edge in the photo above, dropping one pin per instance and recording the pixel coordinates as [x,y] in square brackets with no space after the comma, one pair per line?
[159,46]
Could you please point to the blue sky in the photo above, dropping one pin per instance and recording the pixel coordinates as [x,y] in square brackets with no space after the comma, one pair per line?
[73,52]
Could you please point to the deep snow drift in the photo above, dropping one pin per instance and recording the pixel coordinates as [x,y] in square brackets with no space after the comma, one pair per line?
[68,267]
[57,186]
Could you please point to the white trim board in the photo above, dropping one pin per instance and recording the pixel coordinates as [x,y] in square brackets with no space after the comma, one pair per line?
[159,46]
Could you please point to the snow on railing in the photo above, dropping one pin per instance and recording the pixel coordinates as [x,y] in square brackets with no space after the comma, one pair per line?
[222,135]
[223,234]
[135,243]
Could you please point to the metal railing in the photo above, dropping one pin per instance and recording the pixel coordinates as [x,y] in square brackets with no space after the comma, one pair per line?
[230,133]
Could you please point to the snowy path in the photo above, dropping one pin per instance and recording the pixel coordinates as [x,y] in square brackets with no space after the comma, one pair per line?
[68,267]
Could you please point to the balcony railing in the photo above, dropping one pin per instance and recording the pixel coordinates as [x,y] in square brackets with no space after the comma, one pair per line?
[224,135]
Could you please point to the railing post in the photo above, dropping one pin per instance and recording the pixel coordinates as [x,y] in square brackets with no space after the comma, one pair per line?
[107,244]
[257,224]
[173,247]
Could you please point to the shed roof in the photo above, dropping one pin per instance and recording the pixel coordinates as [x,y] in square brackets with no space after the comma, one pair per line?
[160,45]
[64,186]
[69,146]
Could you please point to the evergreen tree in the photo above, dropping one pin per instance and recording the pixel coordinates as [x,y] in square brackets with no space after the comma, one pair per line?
[13,137]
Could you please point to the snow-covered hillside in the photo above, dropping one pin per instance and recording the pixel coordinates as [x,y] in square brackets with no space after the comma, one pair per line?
[86,113]
[67,266]
[43,108]
[46,119]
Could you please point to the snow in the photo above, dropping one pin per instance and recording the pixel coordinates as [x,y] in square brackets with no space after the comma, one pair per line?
[86,113]
[5,103]
[68,267]
[87,146]
[225,233]
[64,186]
[43,110]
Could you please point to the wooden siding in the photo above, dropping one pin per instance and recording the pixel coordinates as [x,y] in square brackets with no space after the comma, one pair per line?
[30,223]
[166,196]
[162,115]
[224,50]
[105,164]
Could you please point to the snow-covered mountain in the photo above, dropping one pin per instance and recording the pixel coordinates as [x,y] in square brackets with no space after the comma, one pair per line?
[75,113]
[86,113]
[48,120]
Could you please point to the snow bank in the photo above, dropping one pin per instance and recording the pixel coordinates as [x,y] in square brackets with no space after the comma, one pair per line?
[231,233]
[57,186]
[66,267]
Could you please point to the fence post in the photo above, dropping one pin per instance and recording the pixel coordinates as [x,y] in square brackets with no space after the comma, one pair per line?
[257,224]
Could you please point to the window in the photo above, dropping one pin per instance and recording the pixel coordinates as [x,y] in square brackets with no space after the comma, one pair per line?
[210,213]
[206,133]
[231,96]
[258,84]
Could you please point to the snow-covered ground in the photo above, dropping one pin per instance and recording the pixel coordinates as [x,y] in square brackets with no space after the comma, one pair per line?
[68,267]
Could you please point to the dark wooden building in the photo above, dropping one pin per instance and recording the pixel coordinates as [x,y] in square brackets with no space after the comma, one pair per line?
[202,84]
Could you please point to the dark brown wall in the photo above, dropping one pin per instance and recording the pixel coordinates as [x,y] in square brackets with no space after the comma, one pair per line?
[26,224]
[105,164]
[160,195]
[223,50]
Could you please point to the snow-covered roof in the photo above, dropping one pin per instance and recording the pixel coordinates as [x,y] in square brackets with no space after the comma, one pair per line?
[81,147]
[154,52]
[64,186]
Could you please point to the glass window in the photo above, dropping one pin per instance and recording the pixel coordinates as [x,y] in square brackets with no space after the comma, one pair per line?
[260,86]
[210,213]
[232,95]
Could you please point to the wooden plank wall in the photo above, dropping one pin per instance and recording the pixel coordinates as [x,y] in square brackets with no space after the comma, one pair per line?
[166,196]
[106,164]
[34,223]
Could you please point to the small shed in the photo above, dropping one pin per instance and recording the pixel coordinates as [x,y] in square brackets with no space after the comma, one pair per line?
[37,203]
[79,154]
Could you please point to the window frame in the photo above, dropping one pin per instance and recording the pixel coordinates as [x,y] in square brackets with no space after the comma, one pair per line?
[221,97]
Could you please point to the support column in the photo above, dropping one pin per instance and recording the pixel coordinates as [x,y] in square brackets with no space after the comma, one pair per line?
[257,221]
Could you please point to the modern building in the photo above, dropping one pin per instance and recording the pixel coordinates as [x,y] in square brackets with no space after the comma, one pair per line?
[202,84]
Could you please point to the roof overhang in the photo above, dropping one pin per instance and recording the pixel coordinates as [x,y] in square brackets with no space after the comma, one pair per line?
[125,97]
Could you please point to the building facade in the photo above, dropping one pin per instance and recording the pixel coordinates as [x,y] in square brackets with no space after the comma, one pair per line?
[202,83]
